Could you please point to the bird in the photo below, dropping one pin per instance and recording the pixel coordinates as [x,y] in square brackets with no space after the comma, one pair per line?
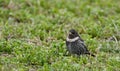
[75,44]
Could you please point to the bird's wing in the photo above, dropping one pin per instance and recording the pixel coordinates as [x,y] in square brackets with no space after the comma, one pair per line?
[81,47]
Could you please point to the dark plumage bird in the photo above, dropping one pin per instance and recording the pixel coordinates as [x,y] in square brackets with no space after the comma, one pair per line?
[75,45]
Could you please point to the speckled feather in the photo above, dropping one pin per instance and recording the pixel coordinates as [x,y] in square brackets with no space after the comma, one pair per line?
[78,47]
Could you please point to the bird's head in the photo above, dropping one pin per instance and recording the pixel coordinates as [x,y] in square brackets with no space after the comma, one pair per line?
[72,34]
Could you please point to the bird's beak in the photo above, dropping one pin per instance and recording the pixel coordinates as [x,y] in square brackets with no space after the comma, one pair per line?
[70,33]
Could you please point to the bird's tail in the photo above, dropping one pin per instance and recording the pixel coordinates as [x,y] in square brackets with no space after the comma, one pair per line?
[90,54]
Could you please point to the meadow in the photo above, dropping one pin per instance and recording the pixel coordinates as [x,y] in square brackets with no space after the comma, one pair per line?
[33,34]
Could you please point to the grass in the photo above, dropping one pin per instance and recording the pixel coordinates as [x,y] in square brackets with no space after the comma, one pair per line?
[33,34]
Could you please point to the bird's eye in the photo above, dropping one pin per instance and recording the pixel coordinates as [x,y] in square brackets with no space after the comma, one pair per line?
[73,33]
